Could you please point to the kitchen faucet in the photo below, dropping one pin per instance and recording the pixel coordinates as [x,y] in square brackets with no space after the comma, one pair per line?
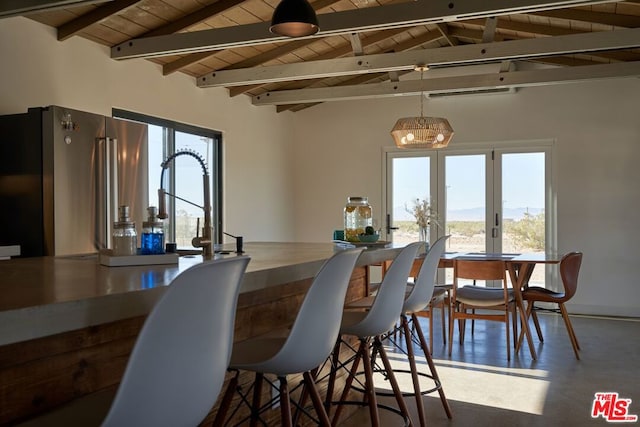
[206,241]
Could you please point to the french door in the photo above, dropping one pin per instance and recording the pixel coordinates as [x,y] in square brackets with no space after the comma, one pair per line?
[496,198]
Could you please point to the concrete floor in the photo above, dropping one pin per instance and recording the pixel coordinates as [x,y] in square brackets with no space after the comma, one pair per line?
[484,389]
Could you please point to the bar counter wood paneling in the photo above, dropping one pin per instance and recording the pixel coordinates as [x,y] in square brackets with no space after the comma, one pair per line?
[67,325]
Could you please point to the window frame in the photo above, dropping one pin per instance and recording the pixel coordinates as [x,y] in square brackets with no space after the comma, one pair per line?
[215,169]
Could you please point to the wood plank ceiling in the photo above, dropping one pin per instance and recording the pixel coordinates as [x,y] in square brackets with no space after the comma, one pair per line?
[377,50]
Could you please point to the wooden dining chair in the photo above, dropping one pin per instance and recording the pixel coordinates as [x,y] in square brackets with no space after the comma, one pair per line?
[569,270]
[479,299]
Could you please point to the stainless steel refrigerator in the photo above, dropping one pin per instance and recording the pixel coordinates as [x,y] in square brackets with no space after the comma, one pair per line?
[63,174]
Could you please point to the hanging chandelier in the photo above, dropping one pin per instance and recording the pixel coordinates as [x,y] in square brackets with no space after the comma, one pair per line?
[422,132]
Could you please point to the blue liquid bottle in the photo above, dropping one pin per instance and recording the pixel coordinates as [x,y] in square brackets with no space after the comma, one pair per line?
[152,239]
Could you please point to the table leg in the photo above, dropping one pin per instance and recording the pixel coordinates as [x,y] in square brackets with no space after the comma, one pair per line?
[520,274]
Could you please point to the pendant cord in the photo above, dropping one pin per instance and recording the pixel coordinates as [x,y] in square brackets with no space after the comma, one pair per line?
[421,95]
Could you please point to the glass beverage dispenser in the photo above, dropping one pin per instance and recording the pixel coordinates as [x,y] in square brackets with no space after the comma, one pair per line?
[357,216]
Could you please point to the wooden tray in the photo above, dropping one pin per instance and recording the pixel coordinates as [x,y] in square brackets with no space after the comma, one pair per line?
[378,244]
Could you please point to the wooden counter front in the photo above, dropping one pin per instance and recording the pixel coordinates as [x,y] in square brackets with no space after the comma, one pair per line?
[69,324]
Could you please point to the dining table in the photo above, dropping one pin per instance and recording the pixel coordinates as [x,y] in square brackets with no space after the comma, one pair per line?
[520,267]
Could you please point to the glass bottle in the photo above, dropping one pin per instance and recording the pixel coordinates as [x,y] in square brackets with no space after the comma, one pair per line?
[125,238]
[152,241]
[357,216]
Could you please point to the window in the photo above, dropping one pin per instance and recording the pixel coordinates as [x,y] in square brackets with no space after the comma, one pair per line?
[184,176]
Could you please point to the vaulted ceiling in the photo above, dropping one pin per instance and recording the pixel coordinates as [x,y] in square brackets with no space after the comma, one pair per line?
[364,46]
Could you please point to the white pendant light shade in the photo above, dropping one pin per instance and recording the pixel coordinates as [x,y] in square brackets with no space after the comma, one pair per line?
[294,18]
[422,132]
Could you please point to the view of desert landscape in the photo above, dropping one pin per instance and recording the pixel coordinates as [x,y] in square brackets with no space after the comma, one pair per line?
[524,235]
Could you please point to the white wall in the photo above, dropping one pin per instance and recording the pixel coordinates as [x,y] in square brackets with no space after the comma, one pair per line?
[37,70]
[271,194]
[597,134]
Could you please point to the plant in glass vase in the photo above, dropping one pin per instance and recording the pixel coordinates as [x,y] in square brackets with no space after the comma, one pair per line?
[425,215]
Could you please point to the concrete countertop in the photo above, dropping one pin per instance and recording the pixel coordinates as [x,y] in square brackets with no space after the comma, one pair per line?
[48,295]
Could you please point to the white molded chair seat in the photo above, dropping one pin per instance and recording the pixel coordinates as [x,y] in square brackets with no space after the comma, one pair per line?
[179,361]
[307,345]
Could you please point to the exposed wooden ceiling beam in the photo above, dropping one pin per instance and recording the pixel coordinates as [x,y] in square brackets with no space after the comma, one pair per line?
[523,27]
[405,46]
[617,20]
[363,78]
[474,35]
[452,84]
[489,32]
[187,60]
[356,44]
[261,58]
[374,18]
[194,18]
[334,53]
[74,26]
[444,30]
[23,7]
[358,80]
[368,77]
[446,56]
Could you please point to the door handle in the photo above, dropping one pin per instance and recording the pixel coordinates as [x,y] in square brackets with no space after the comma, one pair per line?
[389,227]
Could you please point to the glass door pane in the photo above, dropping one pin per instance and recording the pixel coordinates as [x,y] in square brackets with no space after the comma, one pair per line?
[465,208]
[523,205]
[410,182]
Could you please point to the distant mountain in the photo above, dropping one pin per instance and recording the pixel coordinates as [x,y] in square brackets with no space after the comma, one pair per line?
[472,214]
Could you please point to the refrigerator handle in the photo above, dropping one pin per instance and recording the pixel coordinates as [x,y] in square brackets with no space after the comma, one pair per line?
[112,186]
[106,192]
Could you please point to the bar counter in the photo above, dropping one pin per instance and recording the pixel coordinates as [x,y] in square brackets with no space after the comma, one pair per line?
[67,324]
[49,295]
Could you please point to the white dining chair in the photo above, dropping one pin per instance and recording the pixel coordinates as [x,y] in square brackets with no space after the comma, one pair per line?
[179,361]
